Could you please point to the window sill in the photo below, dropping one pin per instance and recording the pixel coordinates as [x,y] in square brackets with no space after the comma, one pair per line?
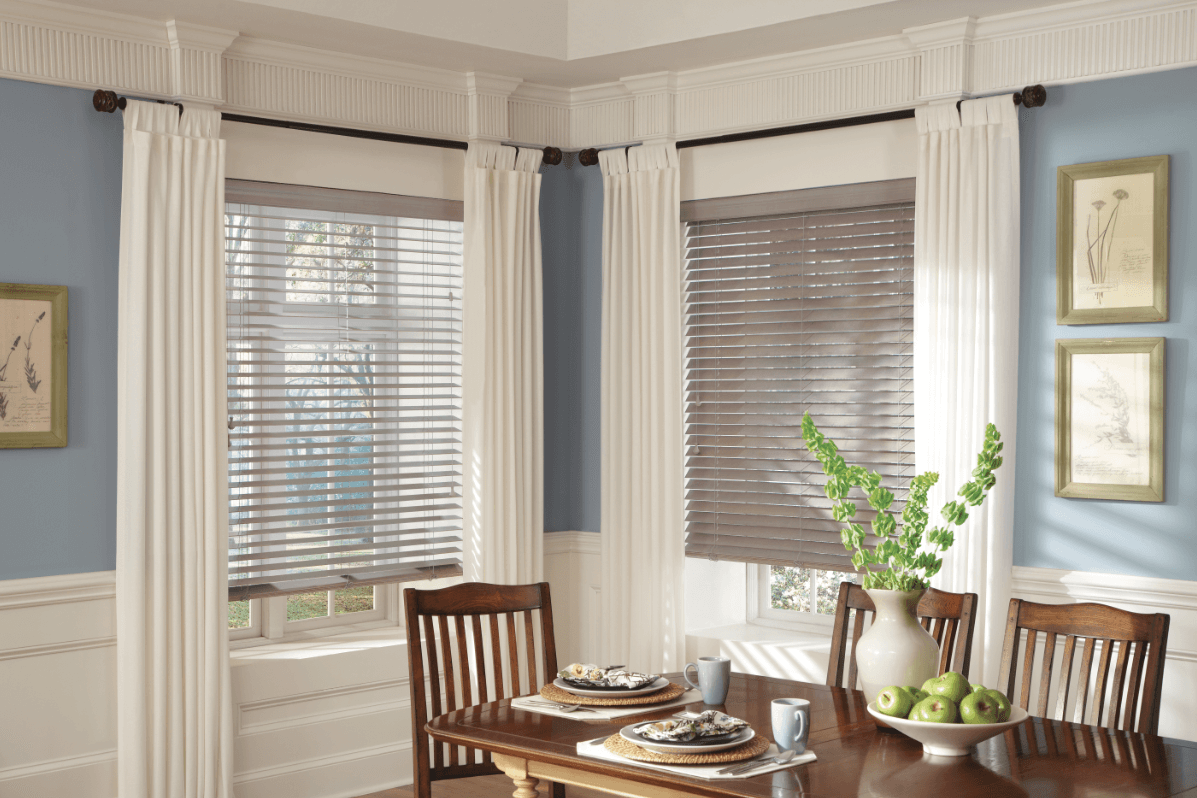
[786,653]
[322,642]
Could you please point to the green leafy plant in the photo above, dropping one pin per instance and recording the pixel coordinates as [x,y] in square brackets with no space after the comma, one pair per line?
[899,560]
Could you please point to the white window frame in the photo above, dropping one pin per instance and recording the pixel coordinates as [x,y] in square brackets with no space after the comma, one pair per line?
[761,611]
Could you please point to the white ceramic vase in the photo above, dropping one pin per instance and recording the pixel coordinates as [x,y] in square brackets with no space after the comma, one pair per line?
[895,650]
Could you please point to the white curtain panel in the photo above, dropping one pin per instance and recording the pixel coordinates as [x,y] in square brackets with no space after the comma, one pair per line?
[174,711]
[966,275]
[502,367]
[643,546]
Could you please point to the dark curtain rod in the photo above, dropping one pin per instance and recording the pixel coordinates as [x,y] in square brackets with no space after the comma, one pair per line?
[108,101]
[1030,97]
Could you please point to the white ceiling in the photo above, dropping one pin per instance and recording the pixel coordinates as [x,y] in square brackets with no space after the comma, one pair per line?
[567,43]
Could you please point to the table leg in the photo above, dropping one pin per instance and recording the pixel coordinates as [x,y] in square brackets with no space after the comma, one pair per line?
[517,771]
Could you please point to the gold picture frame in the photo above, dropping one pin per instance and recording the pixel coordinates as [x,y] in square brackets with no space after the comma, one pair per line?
[33,366]
[1110,419]
[1112,241]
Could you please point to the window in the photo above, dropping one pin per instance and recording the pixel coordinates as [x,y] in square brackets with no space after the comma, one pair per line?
[795,302]
[344,364]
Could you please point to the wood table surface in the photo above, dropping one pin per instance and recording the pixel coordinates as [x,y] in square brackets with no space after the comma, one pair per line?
[855,758]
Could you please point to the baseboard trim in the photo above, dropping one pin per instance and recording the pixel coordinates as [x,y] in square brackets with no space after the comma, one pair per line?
[572,543]
[40,591]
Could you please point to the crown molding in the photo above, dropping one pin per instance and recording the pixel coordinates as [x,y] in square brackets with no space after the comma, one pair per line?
[49,42]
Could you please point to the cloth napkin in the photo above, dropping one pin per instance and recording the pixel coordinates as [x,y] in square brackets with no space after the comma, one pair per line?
[534,704]
[595,750]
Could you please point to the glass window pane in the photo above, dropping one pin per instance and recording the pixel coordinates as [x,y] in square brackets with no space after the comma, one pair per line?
[789,588]
[239,614]
[353,599]
[307,605]
[829,589]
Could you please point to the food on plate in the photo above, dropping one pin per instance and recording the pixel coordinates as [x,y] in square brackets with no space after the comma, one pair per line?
[711,723]
[583,675]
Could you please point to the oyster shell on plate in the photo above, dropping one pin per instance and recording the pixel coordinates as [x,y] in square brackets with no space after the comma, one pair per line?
[711,723]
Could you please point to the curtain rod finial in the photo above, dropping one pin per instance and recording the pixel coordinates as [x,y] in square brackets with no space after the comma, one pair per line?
[1031,96]
[552,156]
[588,157]
[106,101]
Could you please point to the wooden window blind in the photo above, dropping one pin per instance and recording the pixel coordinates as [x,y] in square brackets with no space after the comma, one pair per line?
[344,388]
[806,309]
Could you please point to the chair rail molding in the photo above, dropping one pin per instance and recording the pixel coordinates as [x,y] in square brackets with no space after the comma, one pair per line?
[1140,594]
[1077,41]
[41,591]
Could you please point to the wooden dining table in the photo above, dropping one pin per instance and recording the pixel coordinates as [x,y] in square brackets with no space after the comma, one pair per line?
[855,758]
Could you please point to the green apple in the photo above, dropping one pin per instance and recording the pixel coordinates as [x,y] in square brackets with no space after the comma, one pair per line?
[951,685]
[1003,704]
[977,688]
[979,708]
[926,688]
[918,694]
[934,709]
[895,702]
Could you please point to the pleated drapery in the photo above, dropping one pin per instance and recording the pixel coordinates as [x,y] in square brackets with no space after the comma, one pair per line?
[502,367]
[174,711]
[643,543]
[966,277]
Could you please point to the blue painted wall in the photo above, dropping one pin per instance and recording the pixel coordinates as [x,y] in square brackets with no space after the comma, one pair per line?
[571,220]
[60,202]
[1107,120]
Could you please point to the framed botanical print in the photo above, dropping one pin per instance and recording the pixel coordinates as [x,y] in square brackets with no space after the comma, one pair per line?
[1112,241]
[33,366]
[1110,418]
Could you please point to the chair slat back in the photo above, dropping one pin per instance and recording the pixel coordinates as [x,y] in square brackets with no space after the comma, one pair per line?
[1119,683]
[948,617]
[452,660]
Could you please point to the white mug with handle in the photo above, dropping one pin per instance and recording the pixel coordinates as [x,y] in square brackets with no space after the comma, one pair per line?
[714,678]
[791,724]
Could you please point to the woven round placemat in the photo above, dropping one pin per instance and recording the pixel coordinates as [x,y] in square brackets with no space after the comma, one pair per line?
[754,747]
[554,693]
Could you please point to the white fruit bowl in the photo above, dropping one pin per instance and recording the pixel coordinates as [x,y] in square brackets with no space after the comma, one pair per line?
[949,739]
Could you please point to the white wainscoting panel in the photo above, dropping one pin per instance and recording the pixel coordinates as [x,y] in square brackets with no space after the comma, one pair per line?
[572,569]
[57,685]
[326,717]
[1177,598]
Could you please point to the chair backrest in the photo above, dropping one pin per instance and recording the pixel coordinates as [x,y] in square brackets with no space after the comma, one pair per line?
[949,617]
[466,640]
[1141,641]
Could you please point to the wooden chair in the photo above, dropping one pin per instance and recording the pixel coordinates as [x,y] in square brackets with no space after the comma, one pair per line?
[461,621]
[1089,624]
[949,617]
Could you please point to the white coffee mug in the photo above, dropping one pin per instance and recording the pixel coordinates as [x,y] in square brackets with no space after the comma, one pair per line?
[791,724]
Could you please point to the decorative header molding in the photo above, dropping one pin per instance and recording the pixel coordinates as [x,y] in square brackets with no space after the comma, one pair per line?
[1078,41]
